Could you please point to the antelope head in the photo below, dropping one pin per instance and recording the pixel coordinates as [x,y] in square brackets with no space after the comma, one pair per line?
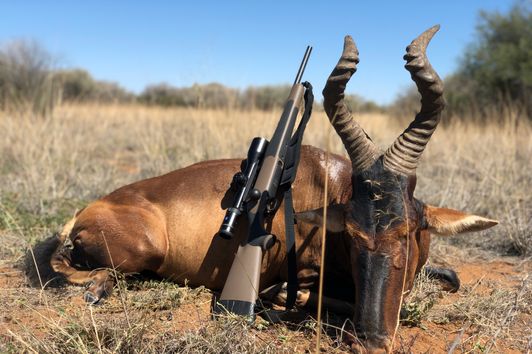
[387,227]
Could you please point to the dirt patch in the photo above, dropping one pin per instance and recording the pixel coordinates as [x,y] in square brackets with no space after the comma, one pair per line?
[507,271]
[468,320]
[159,316]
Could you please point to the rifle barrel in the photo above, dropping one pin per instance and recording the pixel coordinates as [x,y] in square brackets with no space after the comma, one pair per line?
[303,65]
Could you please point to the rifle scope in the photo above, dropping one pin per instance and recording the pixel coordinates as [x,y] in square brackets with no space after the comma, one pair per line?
[244,181]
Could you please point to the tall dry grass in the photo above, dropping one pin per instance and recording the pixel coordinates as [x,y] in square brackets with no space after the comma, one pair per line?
[48,167]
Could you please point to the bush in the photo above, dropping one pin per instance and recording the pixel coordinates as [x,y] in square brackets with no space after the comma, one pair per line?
[212,95]
[406,105]
[28,81]
[79,86]
[496,70]
[264,97]
[216,96]
[360,105]
[26,78]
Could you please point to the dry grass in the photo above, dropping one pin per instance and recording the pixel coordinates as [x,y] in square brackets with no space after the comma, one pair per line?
[487,316]
[490,313]
[49,167]
[143,317]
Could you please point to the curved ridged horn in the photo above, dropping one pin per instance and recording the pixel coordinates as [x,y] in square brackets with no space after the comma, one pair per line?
[403,155]
[359,146]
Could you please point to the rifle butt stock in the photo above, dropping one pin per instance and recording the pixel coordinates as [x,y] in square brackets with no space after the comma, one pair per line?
[241,288]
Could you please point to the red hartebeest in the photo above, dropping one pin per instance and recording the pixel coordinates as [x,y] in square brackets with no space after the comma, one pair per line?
[378,232]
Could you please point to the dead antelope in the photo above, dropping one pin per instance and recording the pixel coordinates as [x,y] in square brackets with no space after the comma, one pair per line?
[378,232]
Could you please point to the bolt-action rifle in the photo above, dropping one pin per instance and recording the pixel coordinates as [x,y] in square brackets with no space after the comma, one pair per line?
[262,184]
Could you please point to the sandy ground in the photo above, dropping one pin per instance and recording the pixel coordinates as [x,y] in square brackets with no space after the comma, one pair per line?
[29,314]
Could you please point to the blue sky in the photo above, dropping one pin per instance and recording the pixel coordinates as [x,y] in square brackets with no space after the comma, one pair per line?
[242,43]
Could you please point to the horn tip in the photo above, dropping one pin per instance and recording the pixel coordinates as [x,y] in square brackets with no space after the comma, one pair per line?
[431,31]
[424,38]
[348,39]
[350,49]
[349,43]
[435,28]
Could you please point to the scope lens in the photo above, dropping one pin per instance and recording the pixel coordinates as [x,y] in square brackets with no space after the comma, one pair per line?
[227,230]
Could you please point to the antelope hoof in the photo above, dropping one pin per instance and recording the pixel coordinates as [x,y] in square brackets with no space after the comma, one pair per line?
[96,290]
[90,298]
[448,277]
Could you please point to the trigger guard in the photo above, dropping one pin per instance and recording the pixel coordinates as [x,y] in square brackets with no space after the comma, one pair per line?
[265,242]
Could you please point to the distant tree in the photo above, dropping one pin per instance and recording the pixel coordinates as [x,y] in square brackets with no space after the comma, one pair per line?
[495,71]
[76,85]
[406,104]
[162,95]
[214,95]
[111,92]
[26,77]
[264,97]
[211,95]
[79,86]
[460,97]
[359,104]
[497,67]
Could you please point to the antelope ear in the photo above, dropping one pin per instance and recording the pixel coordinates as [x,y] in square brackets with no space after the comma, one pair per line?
[335,217]
[447,222]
